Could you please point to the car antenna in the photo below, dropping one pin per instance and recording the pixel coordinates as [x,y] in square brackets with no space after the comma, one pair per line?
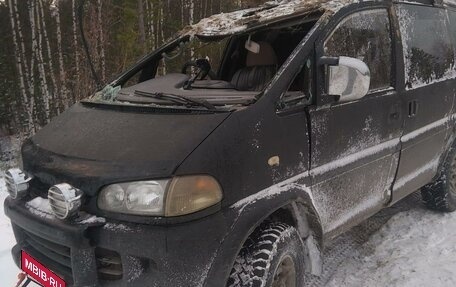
[86,46]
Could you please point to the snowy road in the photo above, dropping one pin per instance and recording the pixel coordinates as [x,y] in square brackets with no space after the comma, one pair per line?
[415,248]
[405,245]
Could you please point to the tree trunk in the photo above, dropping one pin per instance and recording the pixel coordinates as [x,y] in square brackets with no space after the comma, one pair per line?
[101,41]
[162,33]
[41,68]
[150,25]
[64,101]
[192,19]
[183,12]
[142,30]
[53,91]
[28,73]
[192,12]
[19,59]
[77,81]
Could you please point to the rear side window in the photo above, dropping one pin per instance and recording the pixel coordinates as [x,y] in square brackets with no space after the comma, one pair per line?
[452,26]
[366,36]
[428,52]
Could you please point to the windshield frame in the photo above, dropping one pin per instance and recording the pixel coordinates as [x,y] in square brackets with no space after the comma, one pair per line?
[185,37]
[152,60]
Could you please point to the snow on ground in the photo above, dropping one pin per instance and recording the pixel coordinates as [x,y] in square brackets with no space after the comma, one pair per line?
[8,270]
[415,247]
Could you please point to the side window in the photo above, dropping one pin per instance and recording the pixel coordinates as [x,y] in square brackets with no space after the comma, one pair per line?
[301,89]
[365,36]
[452,26]
[428,52]
[303,81]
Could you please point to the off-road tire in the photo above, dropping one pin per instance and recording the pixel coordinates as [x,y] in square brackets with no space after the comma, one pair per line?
[266,249]
[441,194]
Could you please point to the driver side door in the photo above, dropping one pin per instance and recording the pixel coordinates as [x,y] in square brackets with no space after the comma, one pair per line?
[355,145]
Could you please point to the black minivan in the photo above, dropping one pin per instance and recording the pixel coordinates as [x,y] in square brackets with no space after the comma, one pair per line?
[297,121]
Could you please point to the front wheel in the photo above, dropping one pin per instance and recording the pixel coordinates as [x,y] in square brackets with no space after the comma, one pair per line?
[271,257]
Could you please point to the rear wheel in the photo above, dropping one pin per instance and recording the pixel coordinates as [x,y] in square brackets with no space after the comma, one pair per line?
[441,194]
[272,257]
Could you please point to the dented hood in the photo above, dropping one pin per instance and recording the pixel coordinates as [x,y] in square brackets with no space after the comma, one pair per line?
[90,147]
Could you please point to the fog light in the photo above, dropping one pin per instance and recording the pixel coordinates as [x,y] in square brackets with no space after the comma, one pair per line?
[65,200]
[109,264]
[16,183]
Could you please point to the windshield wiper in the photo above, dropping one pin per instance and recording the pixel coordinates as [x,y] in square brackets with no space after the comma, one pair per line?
[178,99]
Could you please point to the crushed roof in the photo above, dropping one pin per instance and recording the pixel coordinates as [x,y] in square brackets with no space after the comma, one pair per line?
[226,24]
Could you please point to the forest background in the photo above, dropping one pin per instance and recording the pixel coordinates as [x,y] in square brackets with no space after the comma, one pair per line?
[43,64]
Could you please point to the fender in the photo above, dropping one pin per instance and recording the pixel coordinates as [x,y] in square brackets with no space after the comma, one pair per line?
[450,145]
[448,148]
[250,212]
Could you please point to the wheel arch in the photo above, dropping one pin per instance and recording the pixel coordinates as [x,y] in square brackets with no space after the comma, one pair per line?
[303,216]
[292,204]
[448,148]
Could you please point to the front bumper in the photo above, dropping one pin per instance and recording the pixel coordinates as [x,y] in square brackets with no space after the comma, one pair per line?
[180,255]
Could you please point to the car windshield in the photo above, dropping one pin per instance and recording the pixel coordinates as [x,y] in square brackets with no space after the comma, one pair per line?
[179,59]
[209,73]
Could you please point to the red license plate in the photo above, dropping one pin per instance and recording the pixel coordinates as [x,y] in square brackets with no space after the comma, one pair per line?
[38,272]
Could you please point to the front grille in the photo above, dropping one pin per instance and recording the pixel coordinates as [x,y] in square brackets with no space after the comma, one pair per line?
[56,256]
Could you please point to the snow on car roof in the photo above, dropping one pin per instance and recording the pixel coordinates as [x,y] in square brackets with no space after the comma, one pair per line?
[449,2]
[226,24]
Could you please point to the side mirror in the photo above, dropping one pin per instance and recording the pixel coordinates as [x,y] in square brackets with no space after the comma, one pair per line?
[348,79]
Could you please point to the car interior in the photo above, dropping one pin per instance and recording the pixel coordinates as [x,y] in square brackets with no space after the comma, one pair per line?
[234,73]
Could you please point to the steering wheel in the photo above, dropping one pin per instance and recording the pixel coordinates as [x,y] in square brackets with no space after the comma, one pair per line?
[204,69]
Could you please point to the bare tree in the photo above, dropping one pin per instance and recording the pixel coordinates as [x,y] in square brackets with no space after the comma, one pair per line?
[20,58]
[77,76]
[52,90]
[162,32]
[38,47]
[151,24]
[192,19]
[101,40]
[142,30]
[62,76]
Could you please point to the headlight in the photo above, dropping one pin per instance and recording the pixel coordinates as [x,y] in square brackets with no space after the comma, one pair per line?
[141,198]
[176,197]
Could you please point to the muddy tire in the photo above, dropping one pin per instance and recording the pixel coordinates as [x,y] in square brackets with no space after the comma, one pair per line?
[272,256]
[441,194]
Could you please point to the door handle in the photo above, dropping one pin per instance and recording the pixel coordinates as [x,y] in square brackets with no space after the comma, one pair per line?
[413,108]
